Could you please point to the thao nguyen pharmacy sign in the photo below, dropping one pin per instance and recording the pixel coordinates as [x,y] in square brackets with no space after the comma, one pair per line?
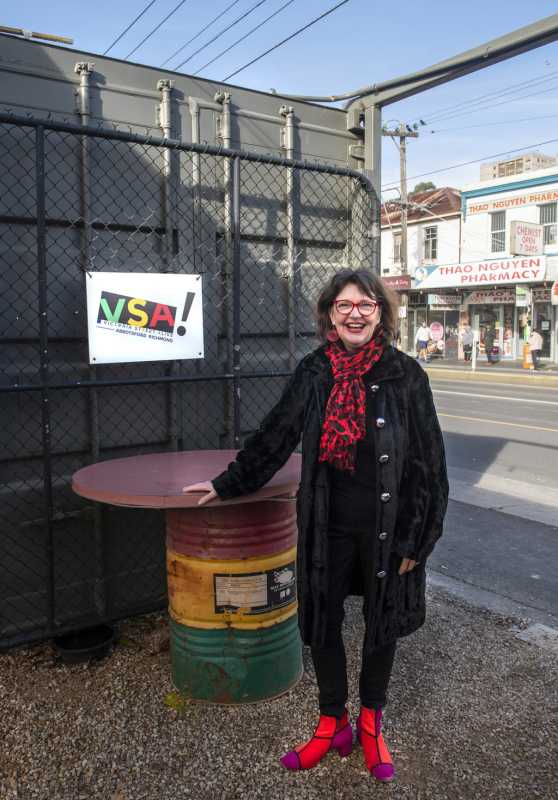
[482,273]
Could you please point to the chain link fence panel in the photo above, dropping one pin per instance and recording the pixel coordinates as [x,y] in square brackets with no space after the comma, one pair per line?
[264,233]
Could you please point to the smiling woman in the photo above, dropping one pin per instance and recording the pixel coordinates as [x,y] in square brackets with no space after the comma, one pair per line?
[352,309]
[370,506]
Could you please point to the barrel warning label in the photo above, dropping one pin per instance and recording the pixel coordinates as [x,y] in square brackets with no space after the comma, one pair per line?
[255,592]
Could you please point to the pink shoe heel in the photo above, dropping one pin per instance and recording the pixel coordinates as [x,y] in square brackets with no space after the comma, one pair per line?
[343,742]
[331,733]
[376,754]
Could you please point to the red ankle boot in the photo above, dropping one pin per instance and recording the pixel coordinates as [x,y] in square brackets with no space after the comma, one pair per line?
[331,733]
[376,754]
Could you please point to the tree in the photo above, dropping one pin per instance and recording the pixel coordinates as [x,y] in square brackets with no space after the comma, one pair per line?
[423,187]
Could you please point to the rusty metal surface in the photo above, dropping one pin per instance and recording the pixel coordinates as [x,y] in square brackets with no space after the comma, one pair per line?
[242,531]
[156,480]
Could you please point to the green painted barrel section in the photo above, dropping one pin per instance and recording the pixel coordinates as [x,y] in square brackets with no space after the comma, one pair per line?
[235,666]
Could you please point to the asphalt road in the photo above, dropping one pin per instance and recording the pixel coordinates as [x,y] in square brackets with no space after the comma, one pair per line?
[501,531]
[506,429]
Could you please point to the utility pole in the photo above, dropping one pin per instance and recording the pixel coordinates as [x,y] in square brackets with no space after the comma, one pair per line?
[403,132]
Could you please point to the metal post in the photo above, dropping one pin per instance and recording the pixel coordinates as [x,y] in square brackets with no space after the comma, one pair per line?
[287,113]
[236,300]
[228,277]
[84,70]
[44,371]
[474,351]
[165,123]
[373,168]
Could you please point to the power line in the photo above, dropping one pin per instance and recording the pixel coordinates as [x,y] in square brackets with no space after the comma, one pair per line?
[218,35]
[199,33]
[443,113]
[490,105]
[498,92]
[131,25]
[155,29]
[284,41]
[246,35]
[490,124]
[473,161]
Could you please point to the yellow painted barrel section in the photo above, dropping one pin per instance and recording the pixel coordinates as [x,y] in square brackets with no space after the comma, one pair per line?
[247,594]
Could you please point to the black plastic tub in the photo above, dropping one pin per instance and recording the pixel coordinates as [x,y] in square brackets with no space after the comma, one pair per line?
[85,645]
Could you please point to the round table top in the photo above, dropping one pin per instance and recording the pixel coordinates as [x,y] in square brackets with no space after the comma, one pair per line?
[156,480]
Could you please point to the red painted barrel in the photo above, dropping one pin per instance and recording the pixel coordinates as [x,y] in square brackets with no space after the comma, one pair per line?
[235,532]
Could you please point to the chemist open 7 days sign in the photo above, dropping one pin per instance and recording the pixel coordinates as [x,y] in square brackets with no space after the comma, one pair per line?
[143,317]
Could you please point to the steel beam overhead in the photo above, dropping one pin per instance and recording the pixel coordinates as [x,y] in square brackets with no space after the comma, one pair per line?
[522,40]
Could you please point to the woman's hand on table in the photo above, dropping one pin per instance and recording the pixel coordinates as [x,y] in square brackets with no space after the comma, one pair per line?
[407,564]
[204,486]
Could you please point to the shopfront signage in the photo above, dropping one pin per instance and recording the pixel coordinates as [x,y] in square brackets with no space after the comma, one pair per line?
[478,273]
[398,282]
[554,294]
[476,206]
[526,238]
[490,297]
[444,299]
[143,317]
[436,331]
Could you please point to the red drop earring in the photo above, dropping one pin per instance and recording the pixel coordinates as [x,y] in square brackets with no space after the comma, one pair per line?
[332,335]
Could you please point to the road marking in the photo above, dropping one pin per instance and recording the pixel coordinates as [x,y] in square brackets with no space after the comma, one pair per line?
[499,397]
[538,388]
[498,422]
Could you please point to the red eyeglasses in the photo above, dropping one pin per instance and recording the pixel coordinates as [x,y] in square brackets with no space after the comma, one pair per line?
[365,307]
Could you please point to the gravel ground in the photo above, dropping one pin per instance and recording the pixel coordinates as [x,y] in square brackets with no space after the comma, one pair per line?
[472,714]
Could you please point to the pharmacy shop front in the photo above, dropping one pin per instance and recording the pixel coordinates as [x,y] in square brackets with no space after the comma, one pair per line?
[503,312]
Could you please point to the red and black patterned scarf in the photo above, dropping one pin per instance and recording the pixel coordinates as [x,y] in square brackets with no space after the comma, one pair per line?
[345,422]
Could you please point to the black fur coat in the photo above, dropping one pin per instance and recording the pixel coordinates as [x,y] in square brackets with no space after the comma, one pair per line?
[410,483]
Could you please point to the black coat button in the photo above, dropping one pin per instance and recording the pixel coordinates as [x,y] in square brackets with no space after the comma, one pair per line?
[381,574]
[384,458]
[380,422]
[385,497]
[374,387]
[383,536]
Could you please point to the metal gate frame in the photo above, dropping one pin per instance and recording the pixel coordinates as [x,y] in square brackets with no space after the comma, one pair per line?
[361,247]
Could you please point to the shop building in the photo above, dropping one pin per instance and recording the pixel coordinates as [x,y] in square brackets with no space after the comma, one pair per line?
[433,237]
[496,272]
[512,222]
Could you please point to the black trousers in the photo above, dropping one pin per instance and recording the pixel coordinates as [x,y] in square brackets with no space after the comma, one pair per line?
[347,552]
[535,355]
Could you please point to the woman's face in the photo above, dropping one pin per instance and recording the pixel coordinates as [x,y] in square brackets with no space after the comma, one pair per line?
[354,329]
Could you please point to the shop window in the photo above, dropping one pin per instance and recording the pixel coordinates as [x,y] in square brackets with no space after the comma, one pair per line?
[547,218]
[498,232]
[396,248]
[431,243]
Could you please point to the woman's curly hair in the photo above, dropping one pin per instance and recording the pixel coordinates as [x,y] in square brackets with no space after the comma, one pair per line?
[369,283]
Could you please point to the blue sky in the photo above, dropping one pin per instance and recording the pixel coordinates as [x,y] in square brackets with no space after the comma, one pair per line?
[360,43]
